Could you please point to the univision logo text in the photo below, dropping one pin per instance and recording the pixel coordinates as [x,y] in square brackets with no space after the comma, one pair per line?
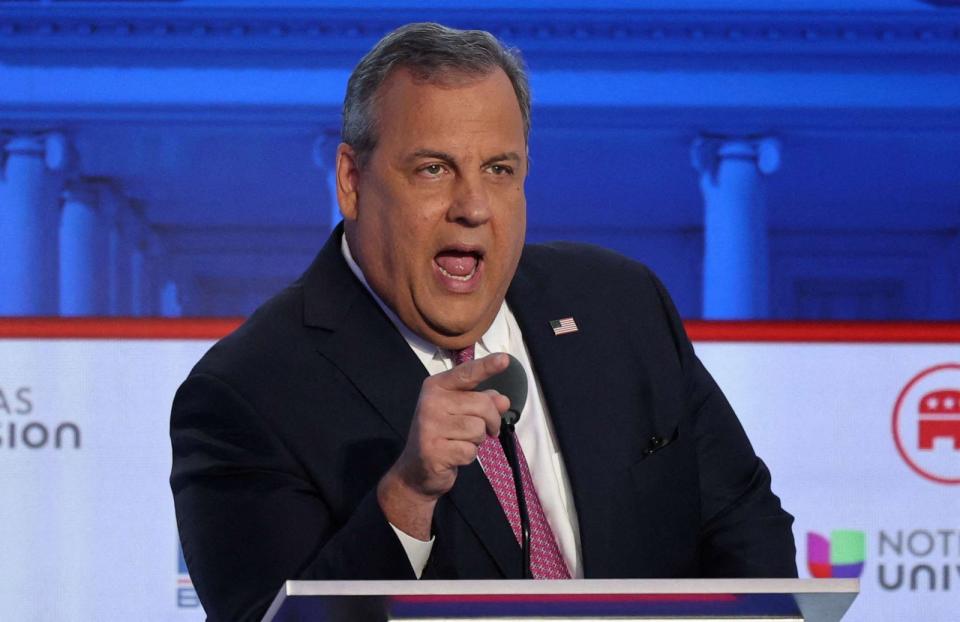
[916,560]
[919,559]
[20,431]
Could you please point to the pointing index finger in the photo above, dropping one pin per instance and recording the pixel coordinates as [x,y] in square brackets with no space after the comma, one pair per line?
[466,376]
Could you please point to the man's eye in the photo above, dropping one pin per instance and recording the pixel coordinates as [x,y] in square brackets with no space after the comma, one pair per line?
[433,169]
[500,169]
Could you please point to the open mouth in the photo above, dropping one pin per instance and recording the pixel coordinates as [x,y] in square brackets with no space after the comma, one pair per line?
[458,265]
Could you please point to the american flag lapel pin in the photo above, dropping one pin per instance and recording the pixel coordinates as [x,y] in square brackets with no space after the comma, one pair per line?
[564,325]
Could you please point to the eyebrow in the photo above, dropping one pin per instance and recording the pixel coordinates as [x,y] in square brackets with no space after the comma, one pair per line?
[513,156]
[431,153]
[446,157]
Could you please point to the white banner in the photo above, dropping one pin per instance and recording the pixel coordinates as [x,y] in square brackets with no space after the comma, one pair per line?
[84,468]
[822,417]
[863,441]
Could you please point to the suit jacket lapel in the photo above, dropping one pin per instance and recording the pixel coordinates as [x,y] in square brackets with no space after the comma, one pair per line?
[476,502]
[593,430]
[390,380]
[388,375]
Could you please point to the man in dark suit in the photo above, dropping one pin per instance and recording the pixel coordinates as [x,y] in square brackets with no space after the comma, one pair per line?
[337,434]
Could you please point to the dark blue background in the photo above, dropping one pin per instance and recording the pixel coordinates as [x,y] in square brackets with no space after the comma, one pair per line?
[212,124]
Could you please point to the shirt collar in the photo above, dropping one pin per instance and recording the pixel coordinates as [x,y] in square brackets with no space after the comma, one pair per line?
[496,339]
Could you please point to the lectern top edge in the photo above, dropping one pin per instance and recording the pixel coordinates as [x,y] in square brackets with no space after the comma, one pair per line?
[813,600]
[581,586]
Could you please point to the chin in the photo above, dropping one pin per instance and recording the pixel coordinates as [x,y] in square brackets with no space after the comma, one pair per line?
[453,334]
[451,330]
[458,317]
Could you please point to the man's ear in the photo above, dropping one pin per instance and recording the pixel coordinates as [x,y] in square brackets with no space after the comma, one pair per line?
[348,181]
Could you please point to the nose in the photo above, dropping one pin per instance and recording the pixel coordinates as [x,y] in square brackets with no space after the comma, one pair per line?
[470,204]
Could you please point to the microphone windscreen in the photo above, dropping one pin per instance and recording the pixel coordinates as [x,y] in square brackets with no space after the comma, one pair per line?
[511,382]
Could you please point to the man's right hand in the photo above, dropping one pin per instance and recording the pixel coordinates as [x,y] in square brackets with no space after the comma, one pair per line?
[450,423]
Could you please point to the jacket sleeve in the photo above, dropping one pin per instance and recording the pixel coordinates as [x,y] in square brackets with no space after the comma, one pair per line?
[744,531]
[248,515]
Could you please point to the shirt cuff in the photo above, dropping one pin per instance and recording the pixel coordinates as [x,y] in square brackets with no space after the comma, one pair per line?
[418,551]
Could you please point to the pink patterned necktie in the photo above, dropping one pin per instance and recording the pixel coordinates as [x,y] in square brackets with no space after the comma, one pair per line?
[545,559]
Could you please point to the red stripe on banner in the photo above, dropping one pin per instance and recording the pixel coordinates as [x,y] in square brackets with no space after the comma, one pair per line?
[824,332]
[563,598]
[116,328]
[699,330]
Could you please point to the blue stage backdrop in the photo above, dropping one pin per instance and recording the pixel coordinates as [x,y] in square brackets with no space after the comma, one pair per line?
[768,158]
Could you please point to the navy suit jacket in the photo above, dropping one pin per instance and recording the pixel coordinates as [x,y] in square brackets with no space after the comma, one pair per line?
[282,431]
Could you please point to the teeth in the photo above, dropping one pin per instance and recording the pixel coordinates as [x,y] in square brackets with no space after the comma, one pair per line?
[466,277]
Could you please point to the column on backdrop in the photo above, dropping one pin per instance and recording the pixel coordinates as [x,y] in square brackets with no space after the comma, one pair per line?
[84,251]
[30,187]
[103,270]
[117,212]
[137,235]
[736,255]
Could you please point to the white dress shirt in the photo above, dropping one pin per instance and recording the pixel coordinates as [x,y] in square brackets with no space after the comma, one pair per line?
[534,430]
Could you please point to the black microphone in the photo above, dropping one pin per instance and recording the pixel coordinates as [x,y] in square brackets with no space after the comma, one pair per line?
[512,382]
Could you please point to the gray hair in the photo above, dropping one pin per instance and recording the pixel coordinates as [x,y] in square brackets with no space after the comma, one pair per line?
[429,51]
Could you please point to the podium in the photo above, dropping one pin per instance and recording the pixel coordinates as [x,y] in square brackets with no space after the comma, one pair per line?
[650,600]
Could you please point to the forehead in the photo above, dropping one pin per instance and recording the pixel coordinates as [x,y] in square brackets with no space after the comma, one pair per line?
[448,106]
